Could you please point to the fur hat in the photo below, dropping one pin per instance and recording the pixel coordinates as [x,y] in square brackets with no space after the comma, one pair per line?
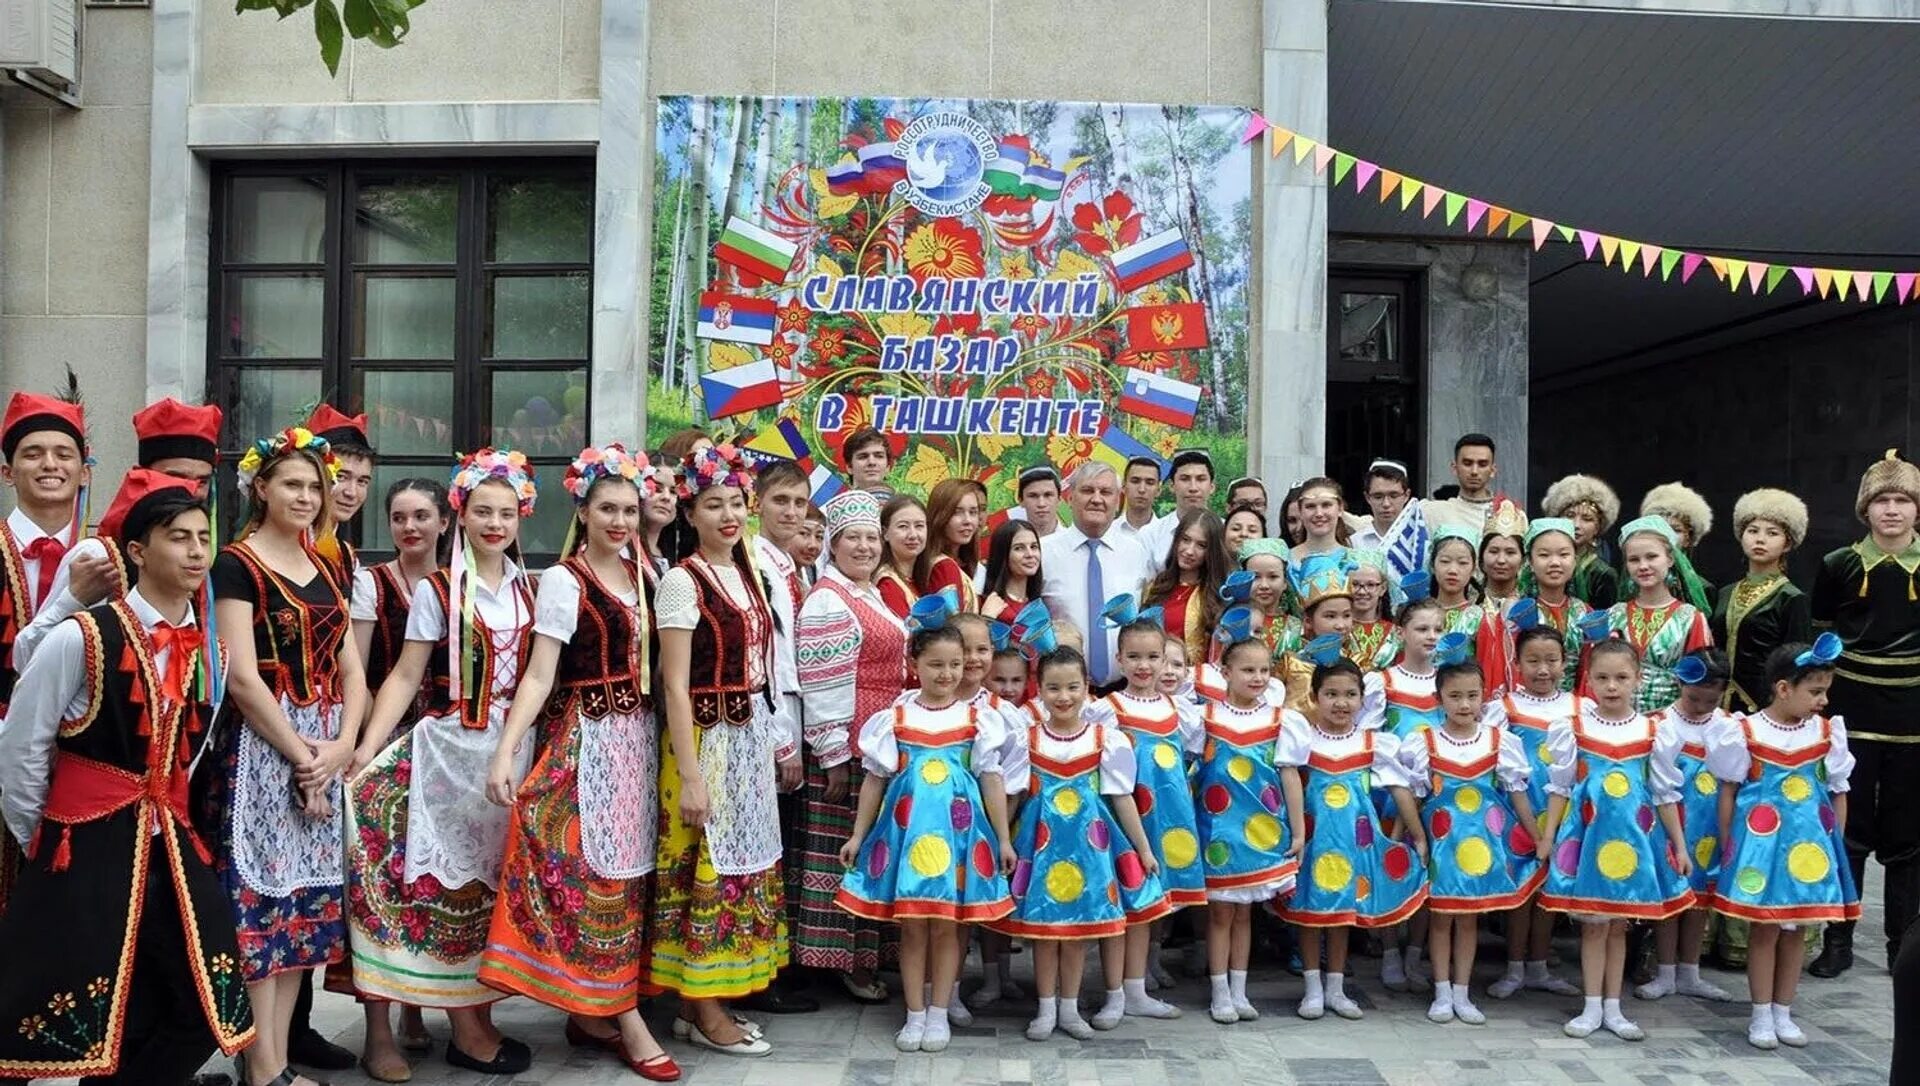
[1776,506]
[1575,489]
[1890,473]
[1680,501]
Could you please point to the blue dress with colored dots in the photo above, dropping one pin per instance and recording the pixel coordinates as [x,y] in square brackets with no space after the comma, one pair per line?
[1163,734]
[1078,876]
[931,854]
[1482,855]
[1404,704]
[1611,858]
[1351,872]
[1786,859]
[1699,800]
[1241,811]
[1526,718]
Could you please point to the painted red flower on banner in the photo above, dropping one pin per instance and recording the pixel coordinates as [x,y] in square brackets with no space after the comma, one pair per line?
[1029,325]
[794,316]
[829,343]
[1041,384]
[1113,224]
[944,249]
[1144,360]
[782,351]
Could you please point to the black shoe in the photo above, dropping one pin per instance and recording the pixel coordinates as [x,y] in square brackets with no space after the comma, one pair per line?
[309,1049]
[512,1059]
[1836,954]
[774,1000]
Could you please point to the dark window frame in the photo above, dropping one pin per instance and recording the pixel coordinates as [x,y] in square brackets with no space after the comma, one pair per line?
[1407,373]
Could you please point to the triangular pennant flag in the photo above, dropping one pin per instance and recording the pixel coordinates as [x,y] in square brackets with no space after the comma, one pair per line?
[1518,223]
[1431,199]
[1588,239]
[1608,246]
[1733,271]
[1719,266]
[1455,202]
[1823,279]
[1302,147]
[1667,260]
[1862,284]
[1902,286]
[1343,162]
[1280,138]
[1842,282]
[1805,275]
[1322,155]
[1566,233]
[1256,124]
[1628,250]
[1880,281]
[1541,228]
[1409,188]
[1756,271]
[1689,264]
[1496,218]
[1475,209]
[1362,174]
[1775,273]
[1649,256]
[1389,181]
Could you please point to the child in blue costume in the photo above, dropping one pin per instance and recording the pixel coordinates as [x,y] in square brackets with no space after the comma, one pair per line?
[1246,772]
[1703,677]
[1612,820]
[1525,713]
[1783,798]
[940,856]
[1480,828]
[1083,868]
[1354,874]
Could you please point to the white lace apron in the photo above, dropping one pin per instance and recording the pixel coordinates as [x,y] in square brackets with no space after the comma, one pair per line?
[743,826]
[617,787]
[277,849]
[455,833]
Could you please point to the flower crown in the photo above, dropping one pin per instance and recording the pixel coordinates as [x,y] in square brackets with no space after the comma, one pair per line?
[711,466]
[611,461]
[280,444]
[507,465]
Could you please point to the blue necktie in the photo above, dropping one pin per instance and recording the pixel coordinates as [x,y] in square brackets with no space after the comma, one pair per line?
[1096,630]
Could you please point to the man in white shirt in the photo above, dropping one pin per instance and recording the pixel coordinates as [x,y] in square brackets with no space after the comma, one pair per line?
[1088,564]
[1039,494]
[1137,521]
[1474,469]
[1388,491]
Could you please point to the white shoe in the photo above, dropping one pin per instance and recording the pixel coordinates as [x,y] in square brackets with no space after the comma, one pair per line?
[1344,1007]
[1559,986]
[1313,1007]
[957,1014]
[748,1045]
[1654,989]
[1223,1013]
[1109,1015]
[1244,1011]
[1789,1032]
[683,1029]
[1150,1008]
[1076,1028]
[1465,1011]
[1704,989]
[1580,1026]
[1039,1029]
[1440,1011]
[1625,1029]
[1760,1034]
[983,997]
[937,1036]
[1506,987]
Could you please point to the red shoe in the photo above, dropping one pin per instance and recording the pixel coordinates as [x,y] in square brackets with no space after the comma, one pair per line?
[580,1038]
[659,1068]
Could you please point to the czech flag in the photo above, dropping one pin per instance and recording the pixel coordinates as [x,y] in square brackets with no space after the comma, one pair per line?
[738,318]
[1116,447]
[1154,258]
[1162,399]
[737,390]
[1181,326]
[754,250]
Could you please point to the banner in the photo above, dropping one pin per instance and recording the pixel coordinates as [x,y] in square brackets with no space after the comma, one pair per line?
[993,284]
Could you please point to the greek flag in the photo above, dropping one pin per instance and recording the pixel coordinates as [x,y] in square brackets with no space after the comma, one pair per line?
[1407,542]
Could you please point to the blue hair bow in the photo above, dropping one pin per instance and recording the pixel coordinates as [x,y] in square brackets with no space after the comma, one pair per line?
[932,612]
[1690,671]
[1322,650]
[1454,648]
[1124,610]
[1822,653]
[1417,585]
[1236,624]
[1238,587]
[1524,615]
[1000,633]
[1596,626]
[1040,636]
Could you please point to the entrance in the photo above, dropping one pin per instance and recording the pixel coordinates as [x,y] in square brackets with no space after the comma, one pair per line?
[1374,366]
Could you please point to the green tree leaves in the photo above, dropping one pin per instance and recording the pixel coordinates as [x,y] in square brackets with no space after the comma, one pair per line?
[382,22]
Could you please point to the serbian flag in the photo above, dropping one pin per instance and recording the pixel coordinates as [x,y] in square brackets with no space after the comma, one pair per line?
[739,389]
[1115,447]
[1163,399]
[738,318]
[756,251]
[1154,258]
[1181,326]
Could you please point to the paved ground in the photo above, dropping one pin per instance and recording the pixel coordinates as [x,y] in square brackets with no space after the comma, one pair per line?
[1849,1021]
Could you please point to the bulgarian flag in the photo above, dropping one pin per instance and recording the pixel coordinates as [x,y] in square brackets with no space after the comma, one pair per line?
[754,250]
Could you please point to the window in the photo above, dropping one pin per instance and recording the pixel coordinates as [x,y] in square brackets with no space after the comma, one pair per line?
[1374,363]
[449,302]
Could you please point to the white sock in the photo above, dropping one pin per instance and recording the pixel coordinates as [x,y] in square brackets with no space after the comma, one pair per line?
[916,1018]
[1536,970]
[1222,993]
[1442,990]
[1133,986]
[1314,988]
[1138,1004]
[1685,972]
[1237,985]
[1045,1017]
[1336,985]
[1069,1009]
[936,1018]
[1117,997]
[1610,1011]
[1518,970]
[1594,1009]
[1763,1014]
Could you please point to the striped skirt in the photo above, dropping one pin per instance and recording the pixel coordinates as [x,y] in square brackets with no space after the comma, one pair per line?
[825,935]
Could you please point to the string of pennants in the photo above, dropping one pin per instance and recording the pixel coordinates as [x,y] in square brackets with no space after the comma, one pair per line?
[1756,276]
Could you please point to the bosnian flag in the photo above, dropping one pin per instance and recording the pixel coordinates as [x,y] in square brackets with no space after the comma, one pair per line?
[739,318]
[754,250]
[1154,258]
[1162,399]
[739,389]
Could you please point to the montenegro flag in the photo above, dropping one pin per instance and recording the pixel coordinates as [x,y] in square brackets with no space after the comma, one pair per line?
[1181,326]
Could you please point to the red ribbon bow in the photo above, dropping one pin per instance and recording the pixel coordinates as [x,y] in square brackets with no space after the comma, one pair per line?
[47,550]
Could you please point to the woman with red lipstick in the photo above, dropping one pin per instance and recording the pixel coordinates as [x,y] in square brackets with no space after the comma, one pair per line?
[569,924]
[719,913]
[424,845]
[955,508]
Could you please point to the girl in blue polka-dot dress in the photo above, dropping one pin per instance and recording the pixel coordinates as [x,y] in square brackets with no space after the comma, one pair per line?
[929,848]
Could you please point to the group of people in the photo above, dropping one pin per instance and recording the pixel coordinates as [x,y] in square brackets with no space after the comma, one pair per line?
[732,736]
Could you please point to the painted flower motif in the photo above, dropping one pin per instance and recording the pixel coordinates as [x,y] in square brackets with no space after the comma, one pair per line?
[1145,360]
[1113,224]
[1016,266]
[221,965]
[61,1004]
[1068,452]
[1030,325]
[829,344]
[782,351]
[794,316]
[944,249]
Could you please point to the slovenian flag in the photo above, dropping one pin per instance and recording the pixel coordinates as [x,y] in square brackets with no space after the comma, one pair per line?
[1154,258]
[1162,399]
[1116,447]
[754,250]
[738,318]
[739,389]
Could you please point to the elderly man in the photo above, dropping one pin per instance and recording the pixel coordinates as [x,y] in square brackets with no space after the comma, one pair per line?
[1087,564]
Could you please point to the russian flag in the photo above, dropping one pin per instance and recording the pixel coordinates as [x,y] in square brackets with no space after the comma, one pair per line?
[738,318]
[881,165]
[1154,258]
[1162,399]
[1116,447]
[739,389]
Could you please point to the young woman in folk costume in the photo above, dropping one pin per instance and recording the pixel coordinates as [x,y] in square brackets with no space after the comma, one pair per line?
[904,553]
[1187,588]
[1686,512]
[424,844]
[1014,574]
[1592,507]
[719,909]
[1665,618]
[1243,522]
[1373,642]
[1454,564]
[1762,610]
[1502,558]
[1552,555]
[955,509]
[852,652]
[296,693]
[1322,522]
[658,510]
[570,921]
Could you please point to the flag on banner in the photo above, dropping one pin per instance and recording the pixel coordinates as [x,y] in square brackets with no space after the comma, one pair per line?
[1115,447]
[1154,396]
[1181,326]
[1008,171]
[1154,258]
[739,389]
[1406,542]
[826,485]
[737,318]
[752,249]
[781,441]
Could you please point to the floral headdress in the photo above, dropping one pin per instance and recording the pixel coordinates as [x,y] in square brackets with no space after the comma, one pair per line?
[710,466]
[600,462]
[483,465]
[280,444]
